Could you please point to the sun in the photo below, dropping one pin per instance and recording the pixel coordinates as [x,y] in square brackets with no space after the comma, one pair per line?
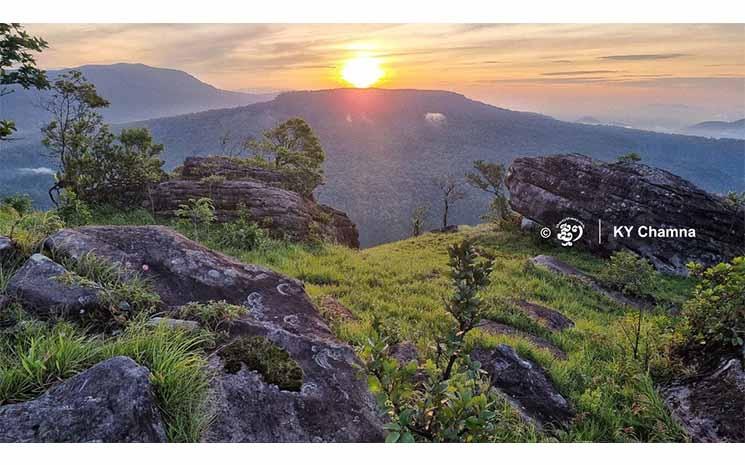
[362,72]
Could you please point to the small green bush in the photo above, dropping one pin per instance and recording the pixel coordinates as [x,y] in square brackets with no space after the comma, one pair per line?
[260,354]
[714,316]
[73,211]
[630,274]
[21,203]
[211,314]
[196,213]
[241,234]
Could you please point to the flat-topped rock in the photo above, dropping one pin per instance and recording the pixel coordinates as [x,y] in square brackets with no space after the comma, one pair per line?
[41,287]
[526,385]
[551,188]
[546,317]
[111,402]
[712,407]
[333,403]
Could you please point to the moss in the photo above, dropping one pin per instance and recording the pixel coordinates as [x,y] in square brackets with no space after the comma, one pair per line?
[211,314]
[260,354]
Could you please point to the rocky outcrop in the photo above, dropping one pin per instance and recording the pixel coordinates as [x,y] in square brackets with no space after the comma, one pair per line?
[333,403]
[46,288]
[712,407]
[259,193]
[111,402]
[544,316]
[554,265]
[7,250]
[526,385]
[552,188]
[499,328]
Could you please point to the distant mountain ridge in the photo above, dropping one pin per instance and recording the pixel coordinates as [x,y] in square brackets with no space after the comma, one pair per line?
[734,129]
[135,91]
[384,146]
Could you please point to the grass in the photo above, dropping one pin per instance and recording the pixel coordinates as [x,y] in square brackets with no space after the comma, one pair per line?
[260,354]
[403,285]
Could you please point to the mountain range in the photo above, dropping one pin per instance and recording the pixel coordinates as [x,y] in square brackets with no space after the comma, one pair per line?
[734,129]
[384,147]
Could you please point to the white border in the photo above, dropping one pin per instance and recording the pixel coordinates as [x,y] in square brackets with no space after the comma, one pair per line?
[371,11]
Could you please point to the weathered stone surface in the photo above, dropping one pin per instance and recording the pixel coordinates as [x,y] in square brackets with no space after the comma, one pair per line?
[547,317]
[549,189]
[38,285]
[333,404]
[711,408]
[173,323]
[555,265]
[334,310]
[403,352]
[499,328]
[110,402]
[526,385]
[7,249]
[262,194]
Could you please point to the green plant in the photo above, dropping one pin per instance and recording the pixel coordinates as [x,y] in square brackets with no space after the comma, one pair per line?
[630,274]
[417,220]
[21,203]
[714,317]
[631,157]
[489,177]
[72,210]
[241,233]
[211,314]
[260,354]
[197,213]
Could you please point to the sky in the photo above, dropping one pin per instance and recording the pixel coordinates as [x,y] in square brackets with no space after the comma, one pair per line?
[620,73]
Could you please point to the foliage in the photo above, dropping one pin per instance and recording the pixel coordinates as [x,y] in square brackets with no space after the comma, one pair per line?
[197,213]
[119,170]
[418,218]
[260,354]
[631,157]
[76,129]
[28,230]
[73,210]
[714,316]
[21,203]
[18,65]
[241,233]
[450,191]
[736,199]
[296,151]
[629,273]
[489,177]
[211,314]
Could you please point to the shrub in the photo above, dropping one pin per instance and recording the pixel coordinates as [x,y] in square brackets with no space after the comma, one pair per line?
[73,211]
[211,314]
[21,203]
[241,233]
[714,317]
[260,354]
[631,157]
[630,274]
[197,213]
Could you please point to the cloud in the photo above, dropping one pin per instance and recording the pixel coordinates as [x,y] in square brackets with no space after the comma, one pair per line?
[578,73]
[40,171]
[435,119]
[644,57]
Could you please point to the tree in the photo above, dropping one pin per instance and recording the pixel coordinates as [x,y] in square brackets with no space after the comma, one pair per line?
[417,220]
[450,191]
[119,170]
[18,65]
[489,177]
[294,149]
[76,128]
[631,157]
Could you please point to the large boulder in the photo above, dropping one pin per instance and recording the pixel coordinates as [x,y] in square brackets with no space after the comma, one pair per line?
[711,407]
[526,385]
[552,188]
[111,402]
[261,194]
[333,403]
[46,288]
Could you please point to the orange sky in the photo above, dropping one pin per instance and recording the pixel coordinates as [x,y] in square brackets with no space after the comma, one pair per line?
[561,69]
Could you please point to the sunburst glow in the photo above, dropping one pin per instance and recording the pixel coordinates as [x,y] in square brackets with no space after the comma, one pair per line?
[362,72]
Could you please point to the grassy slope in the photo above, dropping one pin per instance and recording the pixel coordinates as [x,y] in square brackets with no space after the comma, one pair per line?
[404,284]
